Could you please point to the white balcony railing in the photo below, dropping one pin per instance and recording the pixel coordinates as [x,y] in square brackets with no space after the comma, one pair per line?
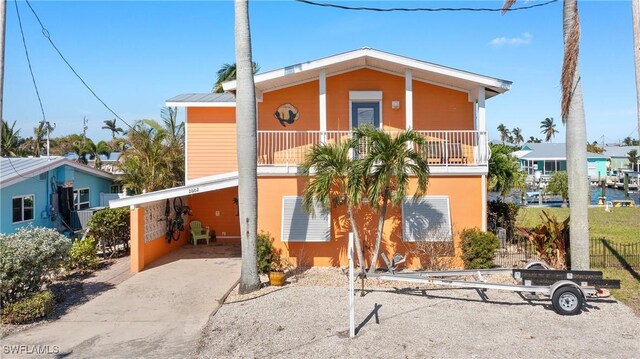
[442,148]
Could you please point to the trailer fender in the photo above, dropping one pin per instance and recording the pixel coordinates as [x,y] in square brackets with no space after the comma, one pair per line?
[536,265]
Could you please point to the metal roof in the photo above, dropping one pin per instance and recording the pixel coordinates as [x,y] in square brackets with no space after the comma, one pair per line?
[18,169]
[202,98]
[550,151]
[619,151]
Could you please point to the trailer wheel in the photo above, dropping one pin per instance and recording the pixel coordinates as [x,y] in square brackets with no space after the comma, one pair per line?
[567,300]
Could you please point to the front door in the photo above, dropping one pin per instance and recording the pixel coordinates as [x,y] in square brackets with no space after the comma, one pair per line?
[365,113]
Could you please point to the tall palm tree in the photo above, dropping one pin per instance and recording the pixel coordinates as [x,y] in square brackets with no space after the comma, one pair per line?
[94,150]
[80,149]
[175,140]
[39,139]
[228,73]
[517,135]
[10,140]
[504,132]
[628,141]
[247,144]
[337,180]
[388,164]
[572,110]
[111,126]
[635,14]
[548,129]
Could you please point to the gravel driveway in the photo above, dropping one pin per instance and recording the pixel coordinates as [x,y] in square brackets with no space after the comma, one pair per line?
[310,319]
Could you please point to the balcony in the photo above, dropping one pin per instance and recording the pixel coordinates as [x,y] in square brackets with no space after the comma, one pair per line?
[458,149]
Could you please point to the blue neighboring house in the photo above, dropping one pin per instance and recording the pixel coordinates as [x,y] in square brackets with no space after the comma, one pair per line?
[551,157]
[49,192]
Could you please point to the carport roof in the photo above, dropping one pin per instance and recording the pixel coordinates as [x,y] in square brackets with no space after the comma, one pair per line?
[201,185]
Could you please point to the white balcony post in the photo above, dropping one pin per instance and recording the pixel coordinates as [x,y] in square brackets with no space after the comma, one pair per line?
[323,105]
[482,126]
[408,99]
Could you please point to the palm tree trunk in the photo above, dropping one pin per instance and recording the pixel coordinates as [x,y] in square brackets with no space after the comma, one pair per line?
[247,150]
[356,239]
[635,12]
[576,156]
[376,248]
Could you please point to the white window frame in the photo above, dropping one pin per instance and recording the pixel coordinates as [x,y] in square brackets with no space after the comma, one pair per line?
[449,235]
[328,239]
[365,96]
[76,200]
[33,210]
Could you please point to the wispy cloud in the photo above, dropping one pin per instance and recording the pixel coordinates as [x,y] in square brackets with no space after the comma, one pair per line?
[525,39]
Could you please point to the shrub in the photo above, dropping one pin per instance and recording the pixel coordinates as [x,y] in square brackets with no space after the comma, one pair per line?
[36,306]
[265,251]
[551,240]
[502,214]
[111,227]
[84,254]
[29,259]
[478,248]
[559,185]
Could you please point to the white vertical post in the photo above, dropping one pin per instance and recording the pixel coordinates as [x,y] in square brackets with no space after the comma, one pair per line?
[408,99]
[323,105]
[352,304]
[482,126]
[483,191]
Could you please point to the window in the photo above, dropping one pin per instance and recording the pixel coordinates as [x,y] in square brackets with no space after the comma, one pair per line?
[23,208]
[427,219]
[81,199]
[300,226]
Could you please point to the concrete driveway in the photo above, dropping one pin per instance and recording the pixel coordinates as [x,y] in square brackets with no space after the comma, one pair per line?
[156,313]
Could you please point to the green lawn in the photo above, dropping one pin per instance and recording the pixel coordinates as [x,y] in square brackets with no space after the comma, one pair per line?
[622,225]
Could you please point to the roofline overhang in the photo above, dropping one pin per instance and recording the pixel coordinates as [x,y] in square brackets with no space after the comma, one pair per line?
[199,104]
[51,165]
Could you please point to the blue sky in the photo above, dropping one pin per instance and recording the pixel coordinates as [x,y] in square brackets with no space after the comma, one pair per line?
[135,55]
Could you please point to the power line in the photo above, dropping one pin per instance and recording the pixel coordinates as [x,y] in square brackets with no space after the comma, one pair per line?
[46,34]
[26,52]
[415,9]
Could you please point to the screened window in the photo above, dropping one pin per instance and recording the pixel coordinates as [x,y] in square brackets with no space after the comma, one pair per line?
[23,208]
[300,226]
[81,199]
[427,219]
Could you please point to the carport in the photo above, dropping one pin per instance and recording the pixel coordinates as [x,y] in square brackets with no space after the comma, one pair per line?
[211,200]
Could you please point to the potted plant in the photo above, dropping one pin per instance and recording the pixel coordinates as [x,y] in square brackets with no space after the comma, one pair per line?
[276,270]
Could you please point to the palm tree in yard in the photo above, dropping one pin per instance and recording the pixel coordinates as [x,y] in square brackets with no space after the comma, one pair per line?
[572,111]
[548,129]
[228,73]
[517,135]
[111,126]
[247,144]
[94,150]
[633,158]
[504,132]
[39,140]
[10,140]
[388,164]
[337,180]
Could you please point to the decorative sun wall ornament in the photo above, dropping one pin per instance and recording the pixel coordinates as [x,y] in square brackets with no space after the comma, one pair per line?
[287,114]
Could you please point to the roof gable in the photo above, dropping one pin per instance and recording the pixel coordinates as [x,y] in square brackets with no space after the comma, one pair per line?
[15,170]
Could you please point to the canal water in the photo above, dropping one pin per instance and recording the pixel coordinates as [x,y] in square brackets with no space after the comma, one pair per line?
[554,201]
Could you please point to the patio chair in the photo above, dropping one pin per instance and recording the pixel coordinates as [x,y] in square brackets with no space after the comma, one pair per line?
[197,232]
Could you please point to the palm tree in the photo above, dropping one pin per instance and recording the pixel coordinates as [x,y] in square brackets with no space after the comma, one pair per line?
[10,140]
[337,180]
[548,129]
[635,14]
[111,126]
[628,141]
[175,140]
[388,164]
[503,170]
[39,139]
[517,135]
[534,140]
[228,73]
[95,150]
[80,149]
[633,158]
[247,143]
[504,132]
[572,110]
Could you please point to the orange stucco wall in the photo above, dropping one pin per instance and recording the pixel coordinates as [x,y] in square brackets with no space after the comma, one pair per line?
[305,97]
[440,108]
[218,211]
[338,88]
[465,205]
[211,141]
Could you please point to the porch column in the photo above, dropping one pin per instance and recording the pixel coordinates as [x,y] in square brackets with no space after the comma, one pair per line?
[137,239]
[482,126]
[408,99]
[323,105]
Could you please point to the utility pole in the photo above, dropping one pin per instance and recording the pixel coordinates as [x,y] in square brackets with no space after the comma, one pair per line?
[3,18]
[49,129]
[635,16]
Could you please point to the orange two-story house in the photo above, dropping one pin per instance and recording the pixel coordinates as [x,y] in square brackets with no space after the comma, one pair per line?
[321,101]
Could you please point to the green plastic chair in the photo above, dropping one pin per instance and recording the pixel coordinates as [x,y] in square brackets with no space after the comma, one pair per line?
[197,232]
